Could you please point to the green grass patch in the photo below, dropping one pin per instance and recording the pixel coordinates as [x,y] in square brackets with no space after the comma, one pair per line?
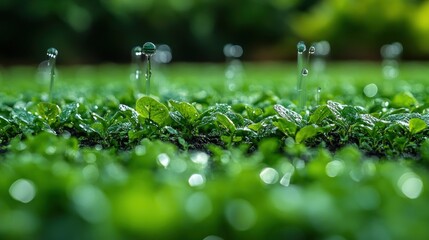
[196,159]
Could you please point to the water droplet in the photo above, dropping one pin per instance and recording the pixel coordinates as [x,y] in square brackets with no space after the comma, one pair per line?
[52,53]
[163,54]
[370,90]
[285,181]
[200,158]
[304,72]
[240,214]
[312,50]
[136,51]
[391,51]
[269,175]
[410,185]
[301,47]
[232,51]
[140,150]
[196,180]
[163,159]
[149,49]
[334,168]
[23,190]
[322,48]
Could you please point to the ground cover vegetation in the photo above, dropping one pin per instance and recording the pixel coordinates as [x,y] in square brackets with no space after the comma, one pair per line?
[200,158]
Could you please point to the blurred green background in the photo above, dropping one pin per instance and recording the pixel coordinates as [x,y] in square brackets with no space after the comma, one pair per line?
[105,30]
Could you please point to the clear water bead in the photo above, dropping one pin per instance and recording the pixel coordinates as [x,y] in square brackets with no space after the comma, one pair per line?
[137,51]
[304,72]
[301,47]
[149,49]
[312,50]
[52,52]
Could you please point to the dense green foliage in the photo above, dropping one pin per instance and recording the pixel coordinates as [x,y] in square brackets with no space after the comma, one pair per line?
[199,159]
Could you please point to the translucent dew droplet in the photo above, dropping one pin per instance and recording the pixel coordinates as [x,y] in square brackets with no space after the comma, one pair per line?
[23,190]
[52,53]
[370,90]
[304,72]
[149,49]
[137,51]
[269,175]
[312,50]
[301,47]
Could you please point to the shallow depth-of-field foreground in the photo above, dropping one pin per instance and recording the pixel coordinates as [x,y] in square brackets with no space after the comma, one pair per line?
[215,153]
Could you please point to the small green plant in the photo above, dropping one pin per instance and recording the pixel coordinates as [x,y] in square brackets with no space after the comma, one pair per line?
[149,49]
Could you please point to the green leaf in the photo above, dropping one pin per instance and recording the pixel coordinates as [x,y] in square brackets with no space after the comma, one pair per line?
[3,122]
[186,110]
[21,116]
[153,110]
[226,122]
[417,125]
[48,111]
[253,112]
[129,112]
[306,132]
[404,99]
[67,112]
[178,118]
[288,114]
[320,114]
[255,126]
[288,128]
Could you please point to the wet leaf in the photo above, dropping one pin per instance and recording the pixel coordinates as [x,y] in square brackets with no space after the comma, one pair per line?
[226,122]
[417,125]
[321,113]
[306,132]
[151,109]
[404,99]
[186,110]
[288,114]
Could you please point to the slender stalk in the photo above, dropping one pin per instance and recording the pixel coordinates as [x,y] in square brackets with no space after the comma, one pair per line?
[148,75]
[299,88]
[52,55]
[149,49]
[317,98]
[52,75]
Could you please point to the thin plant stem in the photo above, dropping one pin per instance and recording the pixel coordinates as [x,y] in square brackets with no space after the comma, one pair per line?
[52,75]
[148,75]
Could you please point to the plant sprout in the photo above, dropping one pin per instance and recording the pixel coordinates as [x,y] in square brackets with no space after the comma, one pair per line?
[52,56]
[149,49]
[303,71]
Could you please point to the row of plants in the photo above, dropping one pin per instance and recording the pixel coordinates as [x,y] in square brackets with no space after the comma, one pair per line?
[383,131]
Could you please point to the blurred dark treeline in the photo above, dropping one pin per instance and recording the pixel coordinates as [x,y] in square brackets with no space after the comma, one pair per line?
[105,30]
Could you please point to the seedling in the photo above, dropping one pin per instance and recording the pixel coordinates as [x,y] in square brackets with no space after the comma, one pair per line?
[303,72]
[149,49]
[52,56]
[136,54]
